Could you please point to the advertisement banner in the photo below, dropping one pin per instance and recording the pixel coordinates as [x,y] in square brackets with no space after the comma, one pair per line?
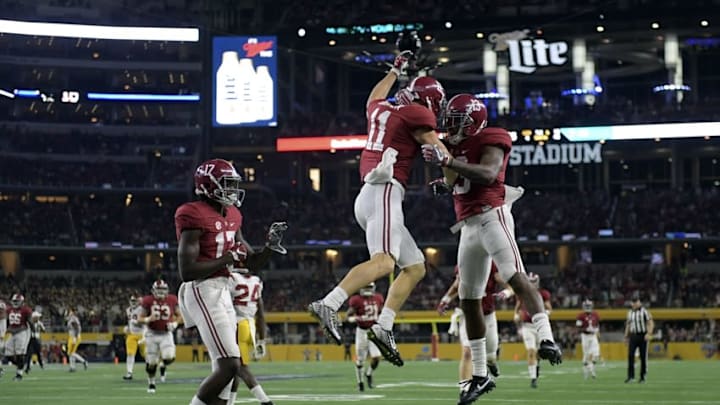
[245,81]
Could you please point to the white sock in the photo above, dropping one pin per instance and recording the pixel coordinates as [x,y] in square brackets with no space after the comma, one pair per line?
[259,394]
[72,362]
[479,357]
[196,401]
[591,366]
[18,371]
[386,318]
[369,371]
[335,298]
[532,370]
[358,373]
[542,325]
[231,398]
[130,363]
[151,380]
[79,357]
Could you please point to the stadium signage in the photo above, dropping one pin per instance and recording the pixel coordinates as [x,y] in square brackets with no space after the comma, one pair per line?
[527,54]
[555,153]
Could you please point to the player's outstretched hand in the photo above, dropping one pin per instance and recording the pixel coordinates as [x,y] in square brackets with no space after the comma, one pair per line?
[443,306]
[275,236]
[401,63]
[260,349]
[239,254]
[433,154]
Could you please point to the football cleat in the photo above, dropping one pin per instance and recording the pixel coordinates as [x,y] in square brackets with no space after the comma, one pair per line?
[550,351]
[267,403]
[641,381]
[629,379]
[85,364]
[127,377]
[493,369]
[385,341]
[328,318]
[18,377]
[369,381]
[72,370]
[473,388]
[533,383]
[151,389]
[361,387]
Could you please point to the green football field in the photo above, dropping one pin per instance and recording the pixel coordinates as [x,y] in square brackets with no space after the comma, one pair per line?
[334,383]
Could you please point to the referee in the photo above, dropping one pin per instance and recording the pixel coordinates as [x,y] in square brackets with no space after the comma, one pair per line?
[638,331]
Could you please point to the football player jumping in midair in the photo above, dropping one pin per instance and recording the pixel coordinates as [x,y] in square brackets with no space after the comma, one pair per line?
[395,133]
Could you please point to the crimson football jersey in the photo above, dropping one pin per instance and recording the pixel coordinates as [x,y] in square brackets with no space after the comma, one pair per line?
[488,301]
[545,294]
[393,126]
[218,232]
[589,322]
[475,198]
[18,318]
[165,308]
[367,309]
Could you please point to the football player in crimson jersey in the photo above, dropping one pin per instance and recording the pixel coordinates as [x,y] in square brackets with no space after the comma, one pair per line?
[363,310]
[161,313]
[18,325]
[479,156]
[528,330]
[210,241]
[395,133]
[457,323]
[588,322]
[3,329]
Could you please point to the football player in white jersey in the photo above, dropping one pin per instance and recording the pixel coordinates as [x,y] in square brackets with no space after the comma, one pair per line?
[134,334]
[74,339]
[246,293]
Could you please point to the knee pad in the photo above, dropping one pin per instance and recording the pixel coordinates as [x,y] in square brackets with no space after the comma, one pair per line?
[168,362]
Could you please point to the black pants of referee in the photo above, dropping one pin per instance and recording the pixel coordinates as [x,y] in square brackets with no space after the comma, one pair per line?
[637,340]
[33,348]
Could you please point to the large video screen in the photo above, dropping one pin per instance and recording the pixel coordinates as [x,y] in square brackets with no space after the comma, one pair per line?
[245,81]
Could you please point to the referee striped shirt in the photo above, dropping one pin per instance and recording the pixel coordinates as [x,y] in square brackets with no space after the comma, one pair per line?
[638,319]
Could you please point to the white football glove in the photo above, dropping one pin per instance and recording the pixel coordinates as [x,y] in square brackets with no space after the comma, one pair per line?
[275,236]
[260,349]
[455,322]
[171,326]
[401,63]
[126,330]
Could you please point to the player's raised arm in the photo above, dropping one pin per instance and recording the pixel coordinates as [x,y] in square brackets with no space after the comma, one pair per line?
[450,295]
[188,251]
[383,87]
[273,243]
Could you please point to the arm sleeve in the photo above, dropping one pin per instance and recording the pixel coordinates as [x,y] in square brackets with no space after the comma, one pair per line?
[416,116]
[497,137]
[186,217]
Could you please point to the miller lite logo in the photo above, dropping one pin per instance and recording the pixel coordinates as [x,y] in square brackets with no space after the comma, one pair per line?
[527,54]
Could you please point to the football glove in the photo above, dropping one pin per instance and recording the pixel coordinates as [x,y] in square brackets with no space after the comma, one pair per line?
[433,154]
[443,305]
[352,319]
[401,63]
[440,187]
[239,254]
[275,236]
[504,294]
[260,349]
[171,326]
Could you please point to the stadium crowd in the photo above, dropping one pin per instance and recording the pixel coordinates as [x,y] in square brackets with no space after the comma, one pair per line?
[147,219]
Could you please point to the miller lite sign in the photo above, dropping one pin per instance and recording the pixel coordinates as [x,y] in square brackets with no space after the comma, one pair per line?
[527,54]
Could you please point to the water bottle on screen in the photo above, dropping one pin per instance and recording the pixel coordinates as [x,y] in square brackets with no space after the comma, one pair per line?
[265,94]
[247,91]
[227,98]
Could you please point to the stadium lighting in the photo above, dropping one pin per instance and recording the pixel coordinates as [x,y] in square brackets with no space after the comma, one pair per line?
[479,35]
[6,94]
[301,32]
[643,131]
[704,23]
[671,87]
[600,28]
[99,31]
[655,25]
[142,97]
[26,93]
[448,24]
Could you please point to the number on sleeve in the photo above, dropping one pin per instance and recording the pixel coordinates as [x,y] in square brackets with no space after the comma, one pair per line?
[378,125]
